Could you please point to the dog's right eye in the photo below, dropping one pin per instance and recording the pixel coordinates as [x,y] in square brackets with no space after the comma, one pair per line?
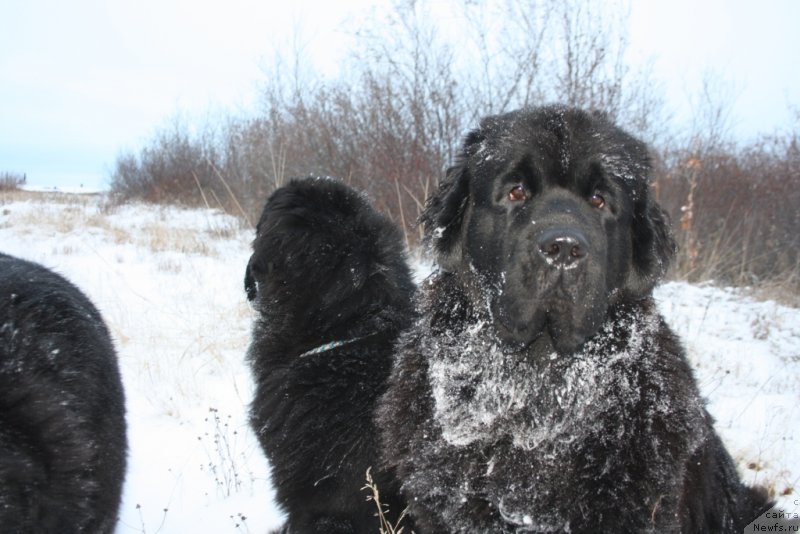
[517,194]
[597,201]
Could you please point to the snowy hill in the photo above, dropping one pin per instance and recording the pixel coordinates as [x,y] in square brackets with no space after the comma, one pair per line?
[169,284]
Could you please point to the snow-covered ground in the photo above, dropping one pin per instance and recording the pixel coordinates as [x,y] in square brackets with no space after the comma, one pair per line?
[169,284]
[746,356]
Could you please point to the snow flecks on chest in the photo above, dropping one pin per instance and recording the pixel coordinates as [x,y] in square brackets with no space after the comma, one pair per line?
[483,393]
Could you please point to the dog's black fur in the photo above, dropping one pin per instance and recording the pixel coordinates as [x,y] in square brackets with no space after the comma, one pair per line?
[541,391]
[326,268]
[62,411]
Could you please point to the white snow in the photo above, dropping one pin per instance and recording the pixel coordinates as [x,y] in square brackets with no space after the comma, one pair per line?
[169,284]
[77,189]
[746,356]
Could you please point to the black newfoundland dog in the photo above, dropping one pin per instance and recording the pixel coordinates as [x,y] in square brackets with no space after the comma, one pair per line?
[540,390]
[62,410]
[330,282]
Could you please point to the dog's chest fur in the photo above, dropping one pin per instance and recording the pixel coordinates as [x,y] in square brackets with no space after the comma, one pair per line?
[483,393]
[558,416]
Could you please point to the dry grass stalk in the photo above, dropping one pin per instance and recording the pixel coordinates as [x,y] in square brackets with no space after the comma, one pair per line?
[235,200]
[386,526]
[402,214]
[200,187]
[687,215]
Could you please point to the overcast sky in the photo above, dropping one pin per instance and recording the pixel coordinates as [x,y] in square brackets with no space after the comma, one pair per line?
[83,80]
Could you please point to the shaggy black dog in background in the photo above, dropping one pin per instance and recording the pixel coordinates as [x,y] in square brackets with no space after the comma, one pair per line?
[541,391]
[62,409]
[329,280]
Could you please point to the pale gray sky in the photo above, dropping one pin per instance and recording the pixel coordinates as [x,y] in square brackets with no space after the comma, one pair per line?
[80,81]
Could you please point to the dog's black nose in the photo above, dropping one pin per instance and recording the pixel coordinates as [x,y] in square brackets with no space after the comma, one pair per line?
[562,248]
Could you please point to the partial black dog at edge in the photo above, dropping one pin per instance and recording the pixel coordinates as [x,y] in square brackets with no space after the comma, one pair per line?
[330,283]
[62,409]
[541,391]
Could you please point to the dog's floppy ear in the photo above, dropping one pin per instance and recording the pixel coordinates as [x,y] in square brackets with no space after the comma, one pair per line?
[653,246]
[259,265]
[443,216]
[250,285]
[259,268]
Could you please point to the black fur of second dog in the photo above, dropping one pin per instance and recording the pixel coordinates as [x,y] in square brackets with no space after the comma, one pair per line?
[330,282]
[62,407]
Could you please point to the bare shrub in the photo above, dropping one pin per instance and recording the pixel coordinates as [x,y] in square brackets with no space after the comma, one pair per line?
[177,167]
[10,181]
[413,87]
[393,123]
[738,214]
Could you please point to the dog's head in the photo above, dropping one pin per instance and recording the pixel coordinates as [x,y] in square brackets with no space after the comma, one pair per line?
[547,213]
[320,244]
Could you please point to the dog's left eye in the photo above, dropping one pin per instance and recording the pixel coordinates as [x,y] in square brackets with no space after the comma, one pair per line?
[597,201]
